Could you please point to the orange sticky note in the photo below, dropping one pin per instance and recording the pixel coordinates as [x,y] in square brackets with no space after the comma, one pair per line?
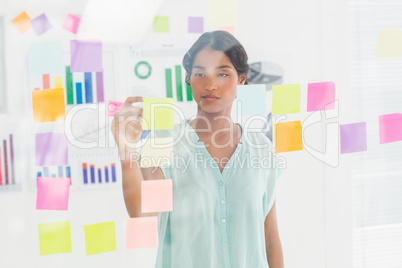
[142,232]
[288,137]
[48,105]
[22,22]
[156,196]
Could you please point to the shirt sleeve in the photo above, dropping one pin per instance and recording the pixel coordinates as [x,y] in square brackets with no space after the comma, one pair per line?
[270,190]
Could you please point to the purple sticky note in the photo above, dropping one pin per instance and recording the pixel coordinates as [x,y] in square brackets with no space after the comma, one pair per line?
[86,56]
[51,149]
[353,138]
[41,24]
[71,23]
[52,193]
[390,128]
[320,96]
[195,24]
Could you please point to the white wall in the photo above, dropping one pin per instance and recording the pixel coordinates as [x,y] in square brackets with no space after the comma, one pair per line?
[309,39]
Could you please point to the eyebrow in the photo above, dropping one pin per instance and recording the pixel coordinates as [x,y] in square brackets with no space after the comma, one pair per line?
[219,67]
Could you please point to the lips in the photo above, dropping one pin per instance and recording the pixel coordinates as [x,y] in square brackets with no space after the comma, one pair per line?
[210,96]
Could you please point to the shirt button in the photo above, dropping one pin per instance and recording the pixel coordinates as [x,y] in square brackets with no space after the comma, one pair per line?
[223,202]
[223,220]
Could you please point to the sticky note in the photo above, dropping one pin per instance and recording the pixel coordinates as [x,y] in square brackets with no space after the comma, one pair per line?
[100,237]
[58,83]
[45,58]
[54,238]
[320,96]
[217,18]
[51,149]
[229,29]
[86,56]
[156,152]
[156,196]
[288,137]
[72,23]
[389,43]
[142,232]
[390,126]
[161,24]
[251,99]
[41,24]
[195,24]
[158,113]
[285,99]
[48,105]
[113,107]
[52,193]
[353,138]
[22,22]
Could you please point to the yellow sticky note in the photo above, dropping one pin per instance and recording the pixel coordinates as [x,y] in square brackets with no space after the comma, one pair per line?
[156,152]
[389,43]
[100,237]
[285,99]
[288,137]
[161,24]
[222,13]
[48,105]
[22,22]
[58,83]
[158,113]
[54,238]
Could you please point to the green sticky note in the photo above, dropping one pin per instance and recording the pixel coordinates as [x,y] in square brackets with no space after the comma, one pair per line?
[286,99]
[54,238]
[161,24]
[158,113]
[100,237]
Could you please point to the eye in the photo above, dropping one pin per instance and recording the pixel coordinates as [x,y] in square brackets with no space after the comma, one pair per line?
[222,75]
[198,74]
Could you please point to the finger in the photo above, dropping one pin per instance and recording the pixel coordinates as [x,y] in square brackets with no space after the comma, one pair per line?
[130,100]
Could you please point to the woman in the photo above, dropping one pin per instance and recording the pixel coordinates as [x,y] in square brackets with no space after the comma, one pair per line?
[224,212]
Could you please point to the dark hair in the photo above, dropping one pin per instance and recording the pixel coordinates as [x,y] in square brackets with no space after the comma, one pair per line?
[220,41]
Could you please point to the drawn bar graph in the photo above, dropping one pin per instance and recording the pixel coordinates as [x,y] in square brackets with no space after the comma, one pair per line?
[100,96]
[99,175]
[5,161]
[168,80]
[97,171]
[106,174]
[88,88]
[12,159]
[78,92]
[85,173]
[113,173]
[60,171]
[68,172]
[46,171]
[46,81]
[179,86]
[92,169]
[189,94]
[69,86]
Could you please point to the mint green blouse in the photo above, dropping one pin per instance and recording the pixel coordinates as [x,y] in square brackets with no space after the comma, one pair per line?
[218,218]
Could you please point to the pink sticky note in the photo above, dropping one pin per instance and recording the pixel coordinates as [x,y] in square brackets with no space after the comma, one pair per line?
[71,23]
[52,193]
[113,107]
[156,196]
[320,96]
[229,29]
[390,127]
[142,232]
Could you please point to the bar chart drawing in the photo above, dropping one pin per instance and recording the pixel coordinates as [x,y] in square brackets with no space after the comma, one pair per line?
[179,85]
[8,178]
[101,175]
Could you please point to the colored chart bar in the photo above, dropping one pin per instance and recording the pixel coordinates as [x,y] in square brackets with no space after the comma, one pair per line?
[69,86]
[179,87]
[92,169]
[39,175]
[113,173]
[99,175]
[58,82]
[169,86]
[45,171]
[106,174]
[46,81]
[54,175]
[100,96]
[88,88]
[189,93]
[5,162]
[60,170]
[78,92]
[85,172]
[12,159]
[68,172]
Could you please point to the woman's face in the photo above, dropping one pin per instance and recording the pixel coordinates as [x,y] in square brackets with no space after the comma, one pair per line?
[214,81]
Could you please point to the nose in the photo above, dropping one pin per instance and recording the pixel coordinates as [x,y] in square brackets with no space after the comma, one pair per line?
[211,83]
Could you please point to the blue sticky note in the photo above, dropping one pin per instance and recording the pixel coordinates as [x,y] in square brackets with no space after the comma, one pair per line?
[45,58]
[251,99]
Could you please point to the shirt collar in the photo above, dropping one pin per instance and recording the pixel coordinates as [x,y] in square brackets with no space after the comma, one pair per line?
[194,136]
